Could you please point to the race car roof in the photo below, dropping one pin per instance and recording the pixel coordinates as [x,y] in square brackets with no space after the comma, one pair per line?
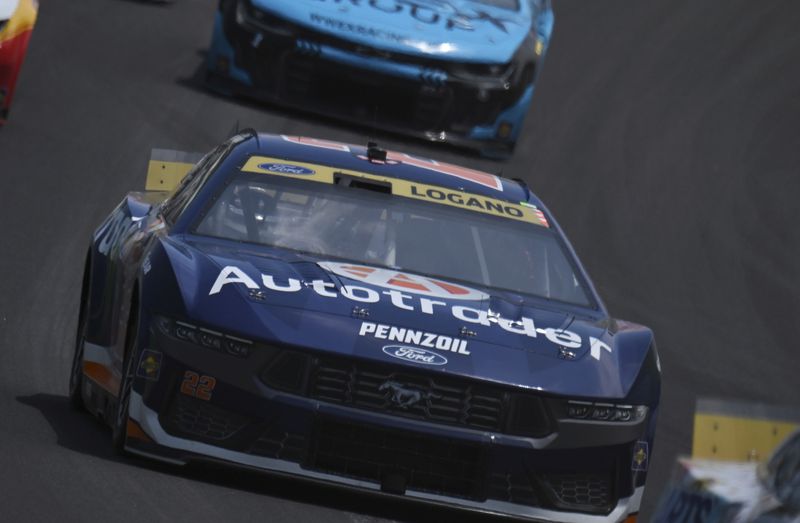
[397,165]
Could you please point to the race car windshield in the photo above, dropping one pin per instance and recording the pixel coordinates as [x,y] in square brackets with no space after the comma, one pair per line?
[511,5]
[375,228]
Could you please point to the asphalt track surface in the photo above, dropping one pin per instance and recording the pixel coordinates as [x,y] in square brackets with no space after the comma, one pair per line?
[664,136]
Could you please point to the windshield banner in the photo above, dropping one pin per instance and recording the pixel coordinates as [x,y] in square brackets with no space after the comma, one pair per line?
[521,211]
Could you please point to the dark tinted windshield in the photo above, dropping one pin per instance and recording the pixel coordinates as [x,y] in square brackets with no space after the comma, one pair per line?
[392,231]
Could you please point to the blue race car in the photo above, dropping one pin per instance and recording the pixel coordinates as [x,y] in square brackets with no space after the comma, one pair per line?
[366,318]
[457,71]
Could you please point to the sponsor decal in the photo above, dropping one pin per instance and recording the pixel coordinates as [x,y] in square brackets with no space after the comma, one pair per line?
[640,456]
[524,326]
[460,199]
[149,365]
[420,338]
[362,30]
[285,168]
[414,355]
[423,12]
[597,347]
[391,279]
[538,212]
[471,175]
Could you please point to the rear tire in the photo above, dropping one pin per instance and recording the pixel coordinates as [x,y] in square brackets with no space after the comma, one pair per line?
[119,426]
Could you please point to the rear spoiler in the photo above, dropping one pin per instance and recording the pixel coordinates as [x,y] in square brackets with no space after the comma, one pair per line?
[168,167]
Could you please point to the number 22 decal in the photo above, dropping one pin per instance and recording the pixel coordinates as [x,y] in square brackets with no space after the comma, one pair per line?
[196,386]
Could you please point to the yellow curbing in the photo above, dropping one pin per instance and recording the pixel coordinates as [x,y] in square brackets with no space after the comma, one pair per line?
[740,432]
[165,176]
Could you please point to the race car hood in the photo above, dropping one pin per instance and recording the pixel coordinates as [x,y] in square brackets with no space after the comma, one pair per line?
[436,325]
[463,30]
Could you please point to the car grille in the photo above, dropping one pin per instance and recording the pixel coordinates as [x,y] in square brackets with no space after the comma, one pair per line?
[277,443]
[513,488]
[426,464]
[591,492]
[450,468]
[441,399]
[367,94]
[583,489]
[201,419]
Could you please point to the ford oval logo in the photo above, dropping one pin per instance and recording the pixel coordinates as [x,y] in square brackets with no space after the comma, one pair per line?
[414,354]
[285,168]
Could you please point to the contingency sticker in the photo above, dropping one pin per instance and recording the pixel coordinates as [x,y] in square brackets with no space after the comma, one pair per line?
[640,456]
[417,191]
[149,365]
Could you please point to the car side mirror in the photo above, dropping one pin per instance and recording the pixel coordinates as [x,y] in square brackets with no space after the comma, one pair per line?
[137,208]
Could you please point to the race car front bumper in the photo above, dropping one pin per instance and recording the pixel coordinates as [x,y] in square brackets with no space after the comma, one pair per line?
[306,70]
[196,400]
[157,444]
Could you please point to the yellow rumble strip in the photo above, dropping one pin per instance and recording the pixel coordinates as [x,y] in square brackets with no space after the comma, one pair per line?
[736,431]
[168,167]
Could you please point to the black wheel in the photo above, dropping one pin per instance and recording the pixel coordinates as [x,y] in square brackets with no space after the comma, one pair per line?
[119,426]
[76,371]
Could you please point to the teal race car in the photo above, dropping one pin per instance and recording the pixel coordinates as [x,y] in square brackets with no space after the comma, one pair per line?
[456,71]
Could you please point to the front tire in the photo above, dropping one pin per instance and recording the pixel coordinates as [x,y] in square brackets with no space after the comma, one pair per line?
[76,371]
[76,375]
[119,426]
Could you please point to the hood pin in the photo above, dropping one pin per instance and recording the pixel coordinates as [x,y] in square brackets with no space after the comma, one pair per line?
[360,312]
[566,354]
[466,333]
